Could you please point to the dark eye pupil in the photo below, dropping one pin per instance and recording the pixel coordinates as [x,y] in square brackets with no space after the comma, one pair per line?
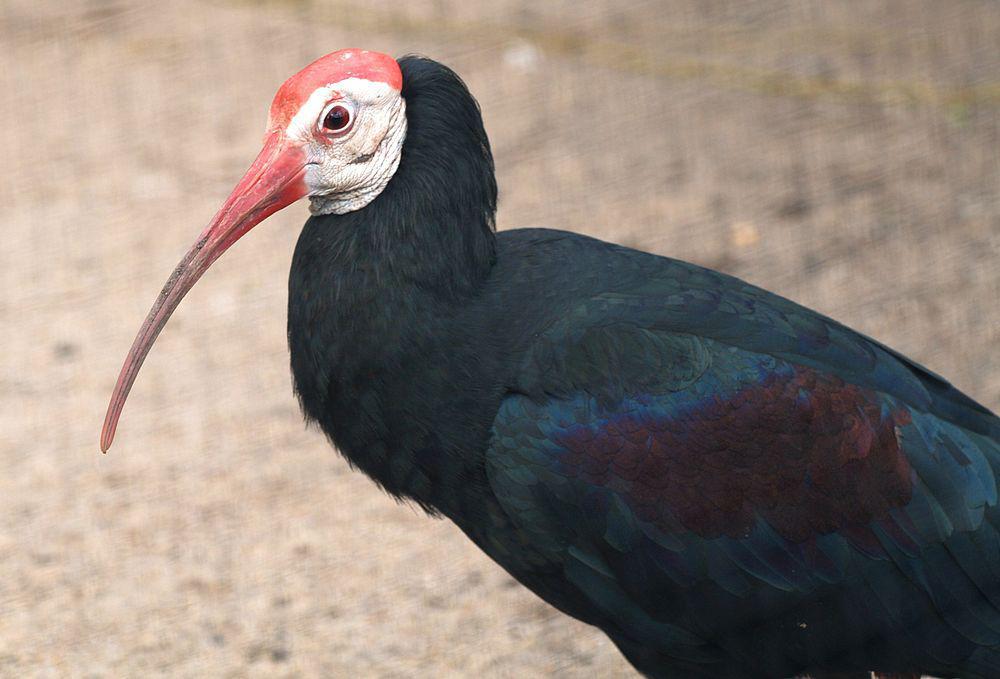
[337,118]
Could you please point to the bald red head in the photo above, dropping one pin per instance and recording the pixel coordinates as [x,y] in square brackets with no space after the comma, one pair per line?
[332,68]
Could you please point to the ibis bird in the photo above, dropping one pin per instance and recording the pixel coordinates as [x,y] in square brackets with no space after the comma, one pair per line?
[724,482]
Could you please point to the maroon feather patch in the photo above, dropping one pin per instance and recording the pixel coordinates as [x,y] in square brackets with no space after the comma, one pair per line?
[807,451]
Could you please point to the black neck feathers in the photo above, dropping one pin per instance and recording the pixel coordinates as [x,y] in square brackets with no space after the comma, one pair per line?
[373,295]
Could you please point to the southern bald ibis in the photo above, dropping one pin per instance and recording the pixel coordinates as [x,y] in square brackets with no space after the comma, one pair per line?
[726,483]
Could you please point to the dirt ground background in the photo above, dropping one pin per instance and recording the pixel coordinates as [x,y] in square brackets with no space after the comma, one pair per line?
[845,154]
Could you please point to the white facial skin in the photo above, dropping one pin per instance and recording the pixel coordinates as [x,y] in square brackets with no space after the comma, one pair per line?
[348,168]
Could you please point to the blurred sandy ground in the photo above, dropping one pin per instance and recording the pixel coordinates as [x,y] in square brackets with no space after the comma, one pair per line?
[844,156]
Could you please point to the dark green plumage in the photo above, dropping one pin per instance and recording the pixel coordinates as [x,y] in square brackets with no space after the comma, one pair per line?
[725,482]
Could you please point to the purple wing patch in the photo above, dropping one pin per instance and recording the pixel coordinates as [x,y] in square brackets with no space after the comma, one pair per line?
[807,451]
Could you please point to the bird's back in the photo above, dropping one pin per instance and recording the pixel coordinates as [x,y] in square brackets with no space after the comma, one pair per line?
[555,276]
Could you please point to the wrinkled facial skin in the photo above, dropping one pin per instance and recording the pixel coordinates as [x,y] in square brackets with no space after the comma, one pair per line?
[347,169]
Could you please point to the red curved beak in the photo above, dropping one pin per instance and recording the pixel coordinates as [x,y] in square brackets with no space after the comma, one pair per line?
[276,179]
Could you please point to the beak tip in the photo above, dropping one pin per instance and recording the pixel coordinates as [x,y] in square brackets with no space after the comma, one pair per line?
[107,437]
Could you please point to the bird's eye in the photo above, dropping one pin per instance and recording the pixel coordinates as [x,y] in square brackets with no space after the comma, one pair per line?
[337,118]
